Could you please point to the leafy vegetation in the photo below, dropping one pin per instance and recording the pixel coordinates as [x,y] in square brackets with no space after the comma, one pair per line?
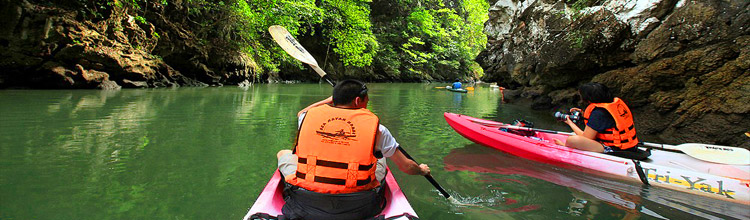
[577,37]
[402,39]
[435,41]
[578,5]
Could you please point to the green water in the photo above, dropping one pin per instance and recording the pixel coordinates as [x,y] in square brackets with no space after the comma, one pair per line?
[205,153]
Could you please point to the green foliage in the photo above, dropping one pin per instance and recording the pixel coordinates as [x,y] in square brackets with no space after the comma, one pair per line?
[348,26]
[435,42]
[579,5]
[140,19]
[254,17]
[576,38]
[423,38]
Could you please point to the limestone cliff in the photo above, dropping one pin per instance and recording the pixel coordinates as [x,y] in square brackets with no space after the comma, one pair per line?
[681,65]
[55,45]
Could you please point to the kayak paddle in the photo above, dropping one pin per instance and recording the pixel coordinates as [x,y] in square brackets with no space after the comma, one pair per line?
[707,152]
[287,42]
[428,176]
[294,49]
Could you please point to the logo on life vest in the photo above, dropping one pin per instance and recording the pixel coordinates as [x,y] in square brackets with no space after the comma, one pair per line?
[622,110]
[337,131]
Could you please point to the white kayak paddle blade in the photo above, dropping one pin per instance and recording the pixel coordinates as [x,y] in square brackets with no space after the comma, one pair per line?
[291,46]
[716,153]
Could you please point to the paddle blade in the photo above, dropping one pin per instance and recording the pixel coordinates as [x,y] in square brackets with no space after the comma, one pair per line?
[716,153]
[290,45]
[470,88]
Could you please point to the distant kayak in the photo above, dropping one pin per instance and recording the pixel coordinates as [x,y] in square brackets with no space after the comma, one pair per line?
[457,90]
[666,169]
[269,202]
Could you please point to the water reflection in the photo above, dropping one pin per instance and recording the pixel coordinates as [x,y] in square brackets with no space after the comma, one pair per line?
[205,153]
[135,154]
[589,197]
[457,99]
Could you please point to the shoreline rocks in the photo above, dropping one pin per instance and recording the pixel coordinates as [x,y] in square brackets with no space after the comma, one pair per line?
[682,66]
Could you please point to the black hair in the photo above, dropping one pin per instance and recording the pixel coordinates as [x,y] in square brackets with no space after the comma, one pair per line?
[457,80]
[345,91]
[595,93]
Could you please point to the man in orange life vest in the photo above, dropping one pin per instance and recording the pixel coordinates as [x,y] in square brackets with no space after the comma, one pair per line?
[335,171]
[609,123]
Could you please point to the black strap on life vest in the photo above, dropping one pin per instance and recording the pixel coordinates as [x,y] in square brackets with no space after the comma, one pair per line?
[334,181]
[612,141]
[621,132]
[334,164]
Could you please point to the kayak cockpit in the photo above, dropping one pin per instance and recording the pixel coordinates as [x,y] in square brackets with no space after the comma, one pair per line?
[271,199]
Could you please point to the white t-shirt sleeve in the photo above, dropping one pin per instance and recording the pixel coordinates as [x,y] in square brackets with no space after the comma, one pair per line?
[385,142]
[300,119]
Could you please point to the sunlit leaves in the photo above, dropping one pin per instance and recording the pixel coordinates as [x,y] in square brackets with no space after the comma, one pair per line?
[348,27]
[424,38]
[435,39]
[256,16]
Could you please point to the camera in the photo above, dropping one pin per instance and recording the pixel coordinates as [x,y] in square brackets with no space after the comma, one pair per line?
[575,116]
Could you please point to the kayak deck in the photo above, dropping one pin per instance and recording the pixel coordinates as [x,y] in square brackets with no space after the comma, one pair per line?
[457,90]
[269,202]
[664,169]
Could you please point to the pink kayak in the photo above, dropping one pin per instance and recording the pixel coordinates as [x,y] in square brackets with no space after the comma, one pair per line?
[269,203]
[619,194]
[662,169]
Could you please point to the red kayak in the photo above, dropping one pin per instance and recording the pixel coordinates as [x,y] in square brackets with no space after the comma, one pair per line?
[662,169]
[269,203]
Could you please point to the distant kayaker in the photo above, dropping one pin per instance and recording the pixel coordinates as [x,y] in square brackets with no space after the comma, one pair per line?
[337,166]
[456,84]
[609,122]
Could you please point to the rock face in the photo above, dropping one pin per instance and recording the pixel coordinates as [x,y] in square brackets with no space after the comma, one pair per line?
[682,65]
[51,47]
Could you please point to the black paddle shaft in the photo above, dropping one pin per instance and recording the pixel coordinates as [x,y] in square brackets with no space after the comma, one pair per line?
[428,176]
[328,79]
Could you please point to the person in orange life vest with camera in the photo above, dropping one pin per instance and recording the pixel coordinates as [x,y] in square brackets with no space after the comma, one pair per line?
[609,122]
[340,151]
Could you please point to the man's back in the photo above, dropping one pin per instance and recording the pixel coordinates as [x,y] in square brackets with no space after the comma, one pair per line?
[457,85]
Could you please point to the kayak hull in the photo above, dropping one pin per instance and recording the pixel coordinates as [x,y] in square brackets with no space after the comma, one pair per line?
[621,195]
[663,169]
[457,90]
[271,200]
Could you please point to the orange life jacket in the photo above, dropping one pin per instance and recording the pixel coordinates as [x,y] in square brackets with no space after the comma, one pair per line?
[623,134]
[335,150]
